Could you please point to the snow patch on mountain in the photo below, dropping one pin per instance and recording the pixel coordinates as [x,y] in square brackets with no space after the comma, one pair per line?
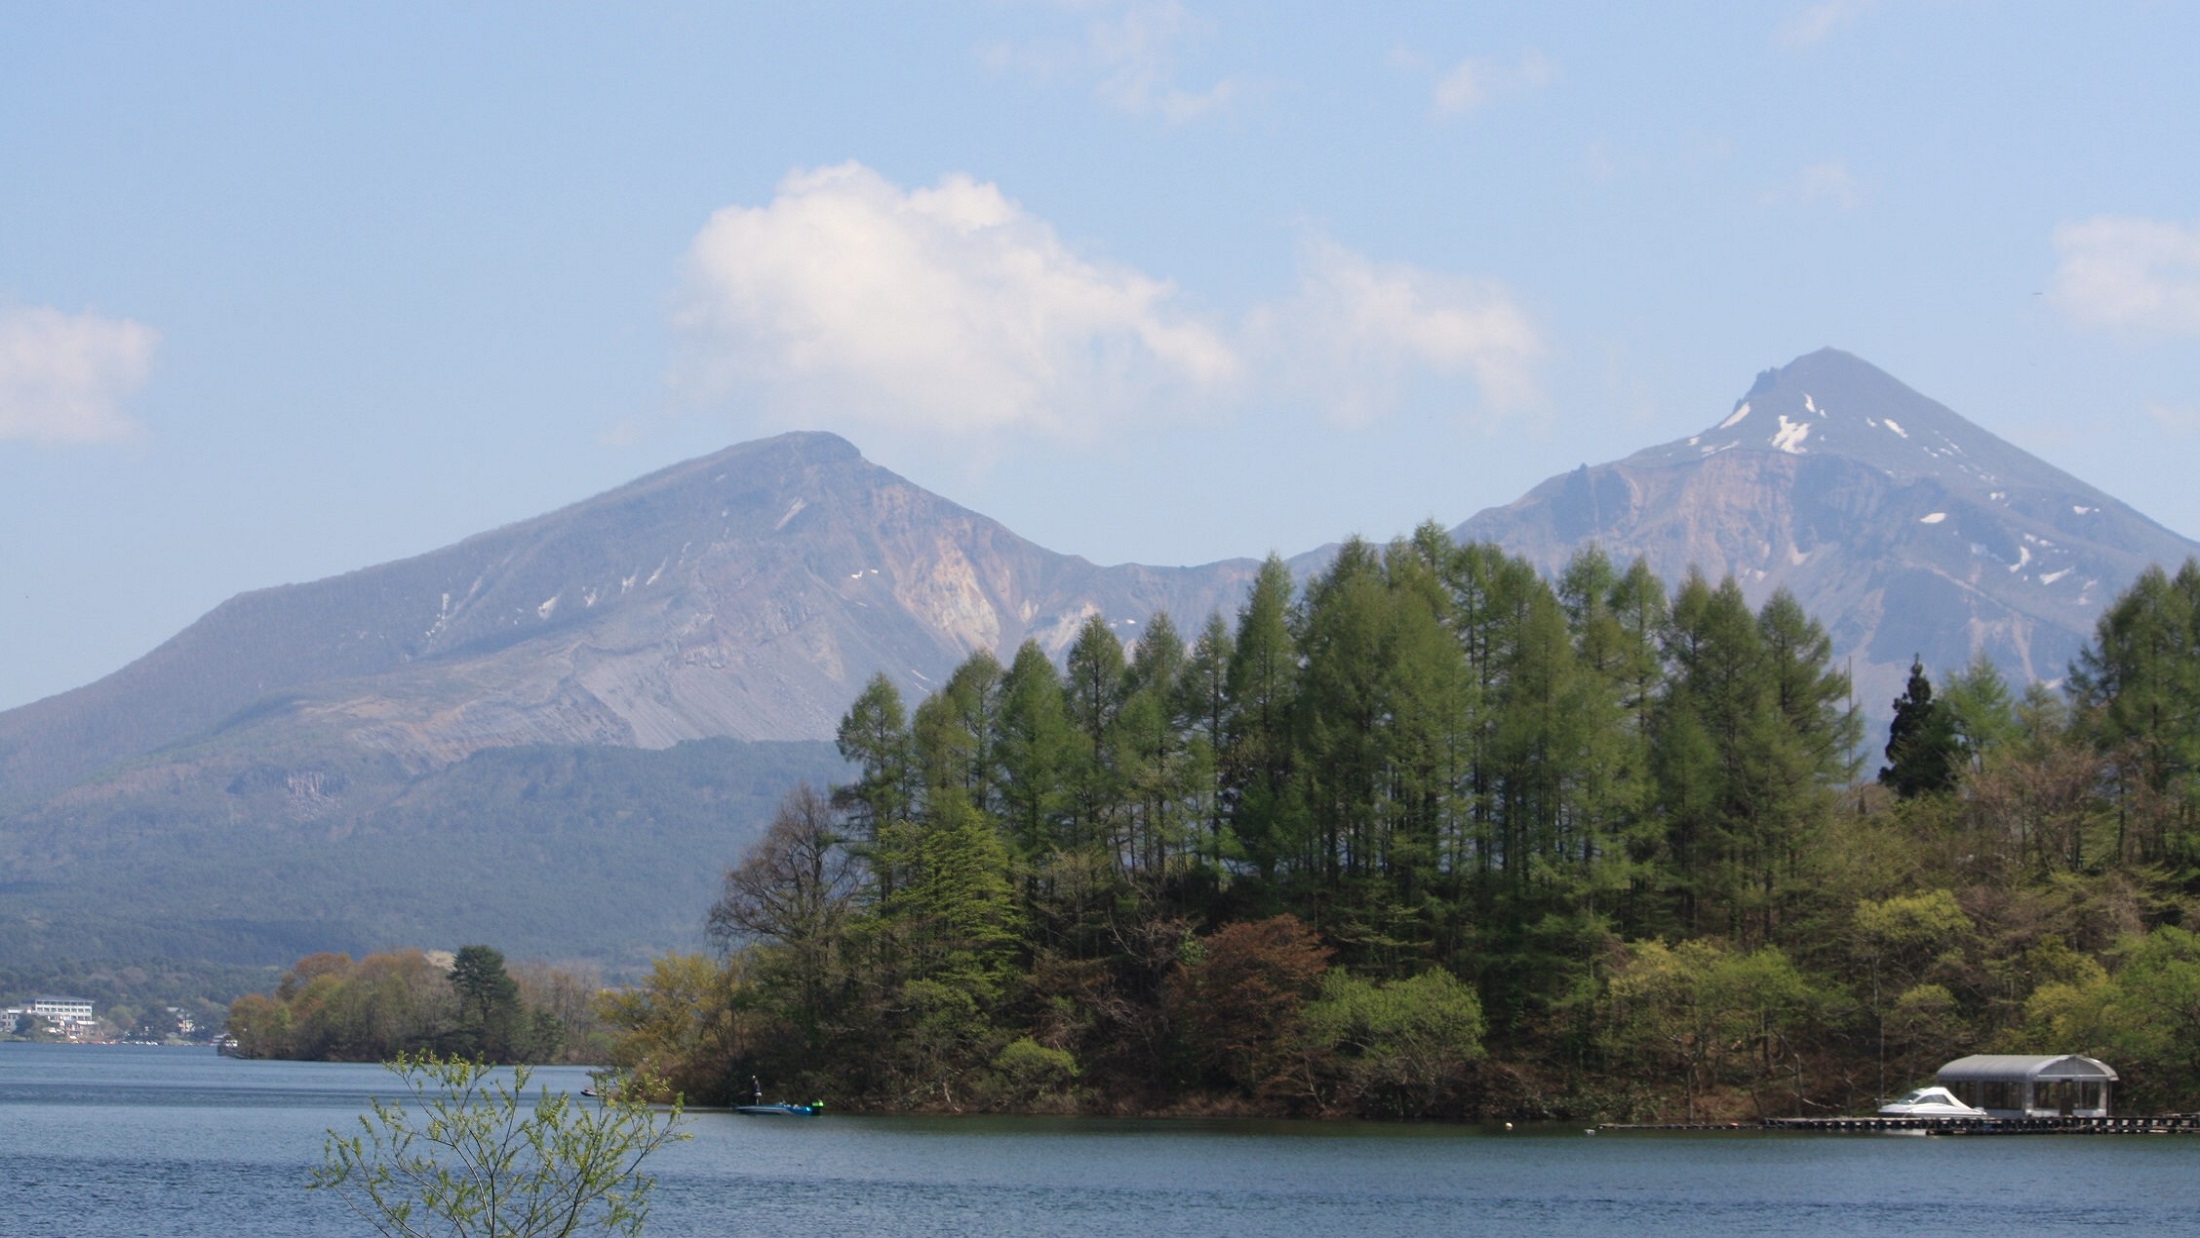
[1791,435]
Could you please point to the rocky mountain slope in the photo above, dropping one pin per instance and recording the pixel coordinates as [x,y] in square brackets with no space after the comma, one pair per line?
[747,594]
[552,736]
[1906,529]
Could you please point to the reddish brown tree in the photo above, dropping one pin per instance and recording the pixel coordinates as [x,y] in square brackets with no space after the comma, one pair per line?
[1237,999]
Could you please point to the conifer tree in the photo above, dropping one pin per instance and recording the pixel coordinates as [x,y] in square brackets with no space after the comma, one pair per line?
[488,1004]
[1804,748]
[1263,681]
[1981,709]
[958,910]
[1426,746]
[1150,747]
[1034,751]
[956,731]
[1093,695]
[1607,795]
[1714,709]
[1203,701]
[2137,686]
[1341,709]
[874,737]
[1923,752]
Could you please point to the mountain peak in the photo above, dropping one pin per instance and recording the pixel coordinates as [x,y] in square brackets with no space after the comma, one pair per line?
[1906,527]
[1832,403]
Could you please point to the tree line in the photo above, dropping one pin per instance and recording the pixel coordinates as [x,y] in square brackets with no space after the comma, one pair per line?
[332,1008]
[1435,835]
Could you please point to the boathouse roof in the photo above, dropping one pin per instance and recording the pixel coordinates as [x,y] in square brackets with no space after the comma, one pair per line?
[2015,1067]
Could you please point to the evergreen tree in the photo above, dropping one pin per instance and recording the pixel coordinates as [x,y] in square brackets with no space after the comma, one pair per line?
[1203,701]
[2137,687]
[1093,694]
[1640,609]
[1980,708]
[1616,664]
[1035,748]
[1803,749]
[1924,753]
[1426,744]
[489,1023]
[874,737]
[956,731]
[1263,682]
[959,911]
[1709,705]
[1341,709]
[1151,750]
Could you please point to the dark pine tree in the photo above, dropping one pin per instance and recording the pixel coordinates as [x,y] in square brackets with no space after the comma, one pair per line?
[1923,751]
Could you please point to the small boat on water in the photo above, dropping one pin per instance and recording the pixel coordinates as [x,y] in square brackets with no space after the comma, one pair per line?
[1928,1103]
[759,1109]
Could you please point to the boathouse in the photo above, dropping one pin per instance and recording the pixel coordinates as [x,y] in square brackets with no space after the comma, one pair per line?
[2013,1085]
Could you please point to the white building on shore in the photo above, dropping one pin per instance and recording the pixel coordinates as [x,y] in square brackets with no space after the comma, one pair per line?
[68,1015]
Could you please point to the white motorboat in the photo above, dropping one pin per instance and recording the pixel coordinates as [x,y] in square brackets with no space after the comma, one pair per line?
[1928,1103]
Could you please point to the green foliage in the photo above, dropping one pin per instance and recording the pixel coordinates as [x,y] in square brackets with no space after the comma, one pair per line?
[461,1153]
[1981,709]
[328,1007]
[1032,1077]
[681,1031]
[2144,1018]
[2137,689]
[1572,847]
[1405,1048]
[1706,1009]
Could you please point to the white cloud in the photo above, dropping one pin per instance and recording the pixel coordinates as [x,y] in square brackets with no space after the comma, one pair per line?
[63,377]
[1129,53]
[953,311]
[1359,331]
[1472,83]
[2139,275]
[1817,22]
[948,309]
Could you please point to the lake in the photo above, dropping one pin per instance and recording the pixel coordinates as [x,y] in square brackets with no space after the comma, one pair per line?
[118,1140]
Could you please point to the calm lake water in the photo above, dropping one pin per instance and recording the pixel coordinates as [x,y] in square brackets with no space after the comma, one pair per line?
[121,1140]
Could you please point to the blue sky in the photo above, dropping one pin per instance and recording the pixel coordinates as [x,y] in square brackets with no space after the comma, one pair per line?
[290,290]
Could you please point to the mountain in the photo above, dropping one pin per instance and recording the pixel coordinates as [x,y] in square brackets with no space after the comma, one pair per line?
[595,709]
[1906,529]
[747,594]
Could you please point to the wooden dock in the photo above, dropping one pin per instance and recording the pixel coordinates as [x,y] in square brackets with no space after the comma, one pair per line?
[2168,1124]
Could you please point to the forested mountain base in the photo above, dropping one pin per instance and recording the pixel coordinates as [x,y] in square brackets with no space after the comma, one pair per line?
[1434,837]
[257,858]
